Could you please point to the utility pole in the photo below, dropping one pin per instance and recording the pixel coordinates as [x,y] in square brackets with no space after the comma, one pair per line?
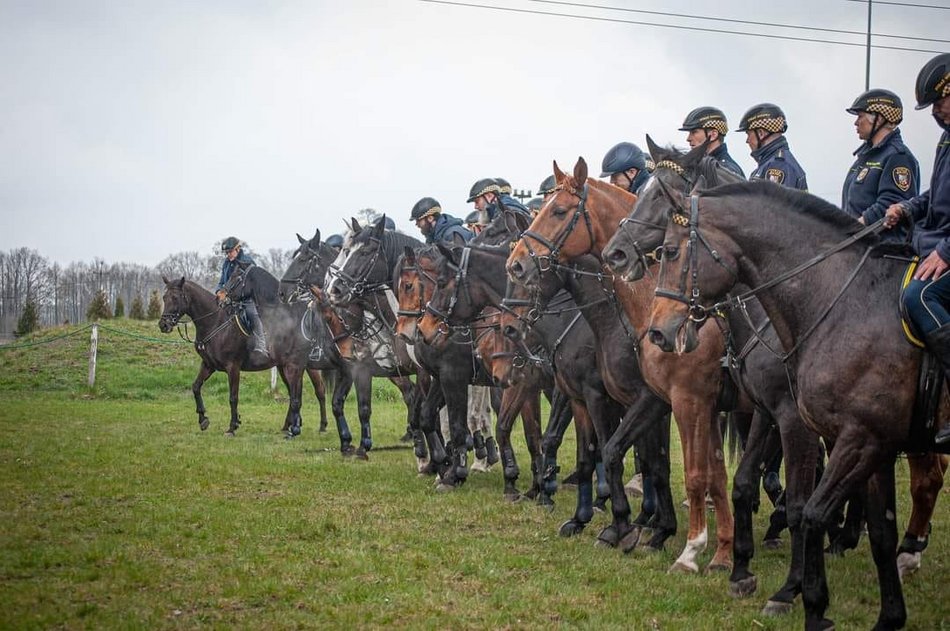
[867,61]
[522,195]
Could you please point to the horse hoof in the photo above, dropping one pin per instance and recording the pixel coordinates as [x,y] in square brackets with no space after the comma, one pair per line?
[772,544]
[682,568]
[361,454]
[607,538]
[442,487]
[347,451]
[322,430]
[570,528]
[512,496]
[204,424]
[907,563]
[719,566]
[744,587]
[630,540]
[229,433]
[779,608]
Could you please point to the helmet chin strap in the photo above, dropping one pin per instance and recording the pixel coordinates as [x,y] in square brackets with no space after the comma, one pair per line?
[876,126]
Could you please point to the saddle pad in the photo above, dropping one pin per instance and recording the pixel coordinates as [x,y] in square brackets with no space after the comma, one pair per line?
[909,332]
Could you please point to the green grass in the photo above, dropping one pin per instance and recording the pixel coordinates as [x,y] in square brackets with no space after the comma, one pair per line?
[117,512]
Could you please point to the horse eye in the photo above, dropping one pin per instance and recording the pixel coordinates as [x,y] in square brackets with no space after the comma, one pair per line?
[559,211]
[408,286]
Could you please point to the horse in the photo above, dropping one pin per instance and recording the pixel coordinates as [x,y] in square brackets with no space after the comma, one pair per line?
[634,247]
[811,282]
[362,352]
[222,345]
[691,387]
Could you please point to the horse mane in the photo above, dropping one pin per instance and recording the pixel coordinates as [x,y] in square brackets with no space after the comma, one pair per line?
[795,201]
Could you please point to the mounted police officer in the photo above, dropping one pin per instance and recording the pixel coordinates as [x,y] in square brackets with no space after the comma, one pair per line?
[234,256]
[626,166]
[764,126]
[534,205]
[709,124]
[885,171]
[927,297]
[486,194]
[546,187]
[435,225]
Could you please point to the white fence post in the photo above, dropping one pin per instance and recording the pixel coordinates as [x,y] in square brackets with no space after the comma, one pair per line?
[273,379]
[93,344]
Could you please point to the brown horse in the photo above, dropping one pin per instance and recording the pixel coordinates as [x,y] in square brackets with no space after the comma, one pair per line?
[579,218]
[853,374]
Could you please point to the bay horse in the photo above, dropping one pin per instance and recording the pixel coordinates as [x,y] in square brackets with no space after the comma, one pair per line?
[361,352]
[222,346]
[631,251]
[564,229]
[812,281]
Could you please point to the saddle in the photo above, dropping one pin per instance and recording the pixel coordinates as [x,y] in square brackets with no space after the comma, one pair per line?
[930,381]
[241,320]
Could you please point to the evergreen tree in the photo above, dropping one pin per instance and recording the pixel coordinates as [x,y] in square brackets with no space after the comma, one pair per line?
[119,307]
[99,307]
[29,320]
[154,306]
[137,310]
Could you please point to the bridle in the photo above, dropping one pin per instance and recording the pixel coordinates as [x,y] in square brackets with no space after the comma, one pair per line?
[357,284]
[301,283]
[461,275]
[543,262]
[419,273]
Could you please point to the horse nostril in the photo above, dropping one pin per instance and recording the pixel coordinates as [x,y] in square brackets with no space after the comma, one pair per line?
[656,337]
[616,257]
[516,269]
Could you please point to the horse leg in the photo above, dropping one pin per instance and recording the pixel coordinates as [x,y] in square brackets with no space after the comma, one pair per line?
[881,511]
[319,389]
[408,391]
[456,403]
[763,438]
[718,481]
[586,444]
[364,408]
[694,420]
[414,420]
[429,423]
[802,451]
[204,372]
[926,480]
[847,472]
[341,389]
[293,379]
[531,424]
[234,386]
[511,402]
[560,417]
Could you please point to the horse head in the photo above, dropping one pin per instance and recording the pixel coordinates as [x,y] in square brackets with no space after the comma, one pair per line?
[176,304]
[361,266]
[632,248]
[308,266]
[414,281]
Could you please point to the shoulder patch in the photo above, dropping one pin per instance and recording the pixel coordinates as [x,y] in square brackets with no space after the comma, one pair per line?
[775,175]
[902,178]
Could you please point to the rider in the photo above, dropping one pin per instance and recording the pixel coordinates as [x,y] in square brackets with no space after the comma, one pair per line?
[436,225]
[534,206]
[764,126]
[626,166]
[709,124]
[885,172]
[504,195]
[546,187]
[233,257]
[927,295]
[473,221]
[486,194]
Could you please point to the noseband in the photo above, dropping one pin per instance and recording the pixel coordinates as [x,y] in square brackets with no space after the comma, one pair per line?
[357,284]
[543,262]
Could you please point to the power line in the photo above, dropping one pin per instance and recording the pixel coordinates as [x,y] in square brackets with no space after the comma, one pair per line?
[735,21]
[904,4]
[674,26]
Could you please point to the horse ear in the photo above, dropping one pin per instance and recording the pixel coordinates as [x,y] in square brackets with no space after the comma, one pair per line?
[447,252]
[410,255]
[559,175]
[316,237]
[355,225]
[301,239]
[699,185]
[654,149]
[580,173]
[692,159]
[379,227]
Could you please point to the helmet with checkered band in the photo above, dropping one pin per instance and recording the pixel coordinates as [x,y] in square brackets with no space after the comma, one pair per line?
[933,81]
[878,101]
[425,207]
[706,118]
[484,185]
[767,116]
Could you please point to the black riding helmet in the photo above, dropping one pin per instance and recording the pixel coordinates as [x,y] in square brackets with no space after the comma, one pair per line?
[706,118]
[423,208]
[933,81]
[767,116]
[229,244]
[535,203]
[623,156]
[484,185]
[878,101]
[547,186]
[503,186]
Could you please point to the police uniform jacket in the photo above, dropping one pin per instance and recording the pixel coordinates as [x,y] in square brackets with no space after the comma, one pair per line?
[882,175]
[777,164]
[229,266]
[509,202]
[446,227]
[931,209]
[721,154]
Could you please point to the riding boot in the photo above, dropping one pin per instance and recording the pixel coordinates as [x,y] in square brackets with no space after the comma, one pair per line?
[257,330]
[938,342]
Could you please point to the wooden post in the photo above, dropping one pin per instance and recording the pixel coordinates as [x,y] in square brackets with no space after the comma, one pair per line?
[273,379]
[93,345]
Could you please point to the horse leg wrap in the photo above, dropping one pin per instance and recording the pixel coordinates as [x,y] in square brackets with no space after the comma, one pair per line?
[509,464]
[491,450]
[913,544]
[419,444]
[480,452]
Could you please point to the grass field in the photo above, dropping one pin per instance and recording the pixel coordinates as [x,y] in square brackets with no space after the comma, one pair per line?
[117,512]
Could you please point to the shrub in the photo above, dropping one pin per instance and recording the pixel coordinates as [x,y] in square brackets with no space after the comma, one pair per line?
[99,307]
[154,306]
[119,307]
[29,320]
[137,310]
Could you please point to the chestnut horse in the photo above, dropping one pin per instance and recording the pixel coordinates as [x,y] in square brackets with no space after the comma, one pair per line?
[579,218]
[853,374]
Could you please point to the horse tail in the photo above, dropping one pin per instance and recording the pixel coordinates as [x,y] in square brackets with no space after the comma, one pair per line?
[732,436]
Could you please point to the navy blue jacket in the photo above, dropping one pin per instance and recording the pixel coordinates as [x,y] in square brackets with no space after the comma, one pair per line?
[229,266]
[510,202]
[777,164]
[446,227]
[931,209]
[882,175]
[721,154]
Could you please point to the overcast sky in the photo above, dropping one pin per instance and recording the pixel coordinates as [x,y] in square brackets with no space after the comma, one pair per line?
[132,130]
